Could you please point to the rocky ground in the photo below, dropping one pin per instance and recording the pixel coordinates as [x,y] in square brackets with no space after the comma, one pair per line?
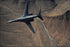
[52,31]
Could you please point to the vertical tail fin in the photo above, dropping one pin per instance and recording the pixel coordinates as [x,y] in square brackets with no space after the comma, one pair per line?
[39,15]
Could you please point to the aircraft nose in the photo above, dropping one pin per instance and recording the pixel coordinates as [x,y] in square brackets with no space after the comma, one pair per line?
[9,22]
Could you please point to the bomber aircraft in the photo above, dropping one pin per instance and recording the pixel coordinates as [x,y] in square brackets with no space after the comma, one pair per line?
[27,18]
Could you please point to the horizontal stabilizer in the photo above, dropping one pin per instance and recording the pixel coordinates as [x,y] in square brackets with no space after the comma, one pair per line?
[39,15]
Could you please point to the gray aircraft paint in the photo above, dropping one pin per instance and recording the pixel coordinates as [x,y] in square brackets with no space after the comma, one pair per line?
[27,18]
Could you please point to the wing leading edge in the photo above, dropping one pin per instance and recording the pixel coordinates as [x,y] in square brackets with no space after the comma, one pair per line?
[30,26]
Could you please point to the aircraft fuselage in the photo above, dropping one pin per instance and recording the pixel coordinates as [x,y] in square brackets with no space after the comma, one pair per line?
[27,18]
[24,19]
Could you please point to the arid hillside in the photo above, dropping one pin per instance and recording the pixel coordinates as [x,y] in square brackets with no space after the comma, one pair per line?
[54,30]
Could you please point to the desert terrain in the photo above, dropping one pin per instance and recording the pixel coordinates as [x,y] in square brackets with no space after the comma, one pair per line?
[53,31]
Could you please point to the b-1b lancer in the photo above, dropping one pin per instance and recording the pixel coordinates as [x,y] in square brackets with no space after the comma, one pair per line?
[27,18]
